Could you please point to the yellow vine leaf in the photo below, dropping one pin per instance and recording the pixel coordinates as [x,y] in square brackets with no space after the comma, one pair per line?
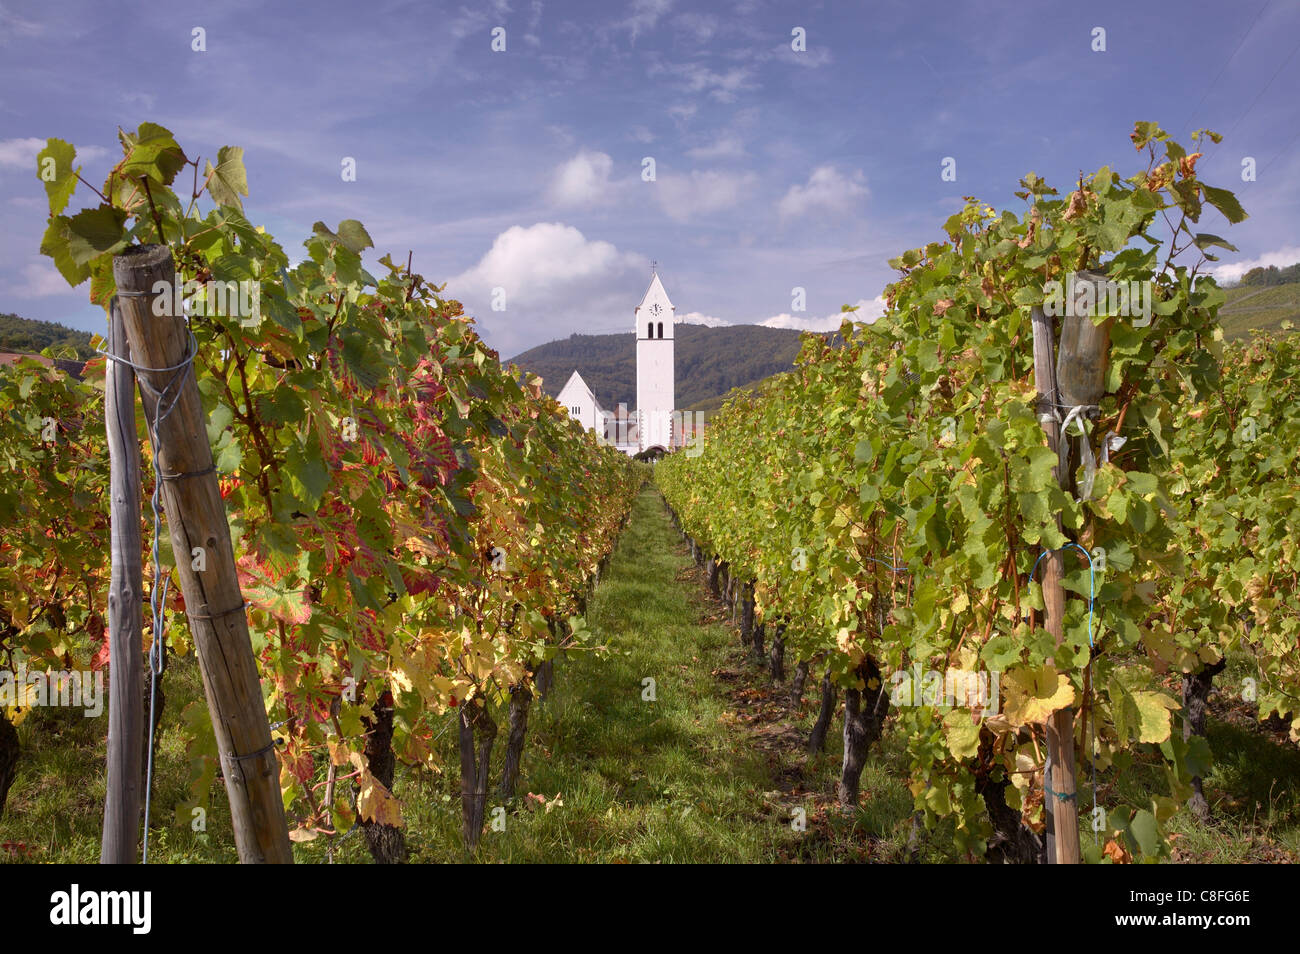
[339,752]
[376,803]
[961,733]
[1033,694]
[1153,719]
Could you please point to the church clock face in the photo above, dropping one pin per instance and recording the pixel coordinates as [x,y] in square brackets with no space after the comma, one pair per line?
[656,309]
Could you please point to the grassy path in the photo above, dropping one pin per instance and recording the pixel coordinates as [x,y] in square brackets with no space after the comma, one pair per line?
[711,769]
[672,779]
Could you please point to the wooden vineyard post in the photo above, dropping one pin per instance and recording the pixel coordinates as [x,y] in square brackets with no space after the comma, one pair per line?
[1075,379]
[1062,813]
[126,667]
[205,560]
[1085,347]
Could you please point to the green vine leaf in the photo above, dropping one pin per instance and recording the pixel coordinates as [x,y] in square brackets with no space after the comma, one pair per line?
[57,158]
[228,180]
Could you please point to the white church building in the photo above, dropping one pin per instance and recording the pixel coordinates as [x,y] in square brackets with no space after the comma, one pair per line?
[652,424]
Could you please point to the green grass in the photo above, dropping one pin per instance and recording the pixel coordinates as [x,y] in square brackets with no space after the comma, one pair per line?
[55,808]
[710,771]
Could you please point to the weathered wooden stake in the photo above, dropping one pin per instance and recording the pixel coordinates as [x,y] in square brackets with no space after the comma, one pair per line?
[1085,346]
[126,658]
[1063,814]
[200,536]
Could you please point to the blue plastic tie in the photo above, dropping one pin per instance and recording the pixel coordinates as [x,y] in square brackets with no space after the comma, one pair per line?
[1092,581]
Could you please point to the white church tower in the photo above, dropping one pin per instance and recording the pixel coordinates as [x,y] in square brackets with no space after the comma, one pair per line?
[655,395]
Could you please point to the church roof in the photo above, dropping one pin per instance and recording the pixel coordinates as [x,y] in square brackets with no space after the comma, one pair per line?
[655,285]
[575,376]
[576,383]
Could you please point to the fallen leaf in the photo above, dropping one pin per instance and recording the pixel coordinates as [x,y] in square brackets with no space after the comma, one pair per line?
[1117,854]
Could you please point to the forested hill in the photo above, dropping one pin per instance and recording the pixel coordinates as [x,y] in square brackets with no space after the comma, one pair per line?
[709,361]
[31,336]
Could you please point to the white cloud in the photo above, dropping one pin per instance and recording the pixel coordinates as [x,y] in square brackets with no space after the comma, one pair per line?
[698,318]
[41,280]
[645,15]
[533,263]
[142,101]
[701,192]
[813,57]
[13,27]
[725,147]
[583,180]
[682,112]
[1282,257]
[20,153]
[826,189]
[534,21]
[698,26]
[696,78]
[868,311]
[556,282]
[721,86]
[478,20]
[642,134]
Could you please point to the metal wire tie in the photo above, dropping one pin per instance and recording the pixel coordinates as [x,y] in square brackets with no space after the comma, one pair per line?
[252,755]
[211,469]
[233,609]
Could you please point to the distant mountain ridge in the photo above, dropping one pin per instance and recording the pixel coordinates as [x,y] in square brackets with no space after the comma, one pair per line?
[31,336]
[709,361]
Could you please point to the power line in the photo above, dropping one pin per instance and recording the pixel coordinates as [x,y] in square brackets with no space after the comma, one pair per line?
[1279,153]
[1255,101]
[1219,75]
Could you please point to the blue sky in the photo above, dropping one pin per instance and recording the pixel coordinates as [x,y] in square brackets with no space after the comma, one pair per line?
[523,169]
